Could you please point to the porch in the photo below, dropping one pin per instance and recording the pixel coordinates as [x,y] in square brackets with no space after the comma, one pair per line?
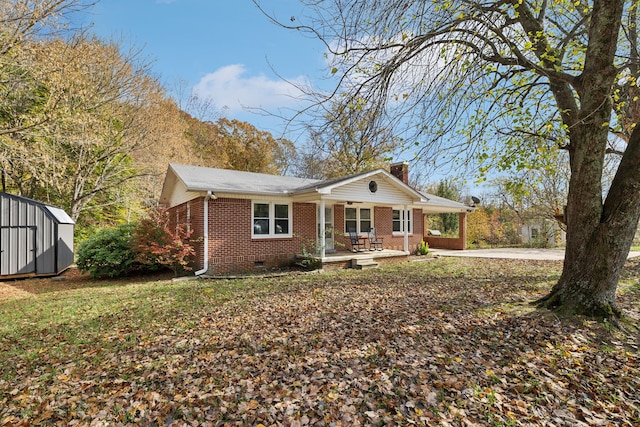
[346,259]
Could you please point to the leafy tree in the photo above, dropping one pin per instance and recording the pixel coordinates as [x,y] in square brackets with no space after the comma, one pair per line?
[22,23]
[165,134]
[540,193]
[478,223]
[494,72]
[233,144]
[351,143]
[90,148]
[82,124]
[285,156]
[246,147]
[447,189]
[537,194]
[85,146]
[310,163]
[22,93]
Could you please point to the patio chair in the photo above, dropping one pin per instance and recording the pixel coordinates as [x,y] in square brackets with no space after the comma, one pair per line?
[375,242]
[357,243]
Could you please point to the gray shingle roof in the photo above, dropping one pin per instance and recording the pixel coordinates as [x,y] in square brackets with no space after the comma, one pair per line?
[199,178]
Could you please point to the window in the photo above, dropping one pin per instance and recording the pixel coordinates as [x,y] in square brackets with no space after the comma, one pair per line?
[359,220]
[350,219]
[282,219]
[399,219]
[365,220]
[271,219]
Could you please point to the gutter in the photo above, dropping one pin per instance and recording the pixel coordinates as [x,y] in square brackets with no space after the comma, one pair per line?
[205,236]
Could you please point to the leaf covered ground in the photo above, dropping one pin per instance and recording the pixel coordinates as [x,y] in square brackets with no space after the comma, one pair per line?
[442,342]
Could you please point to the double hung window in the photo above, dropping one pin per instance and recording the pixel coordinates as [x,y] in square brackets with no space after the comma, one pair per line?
[399,216]
[359,220]
[271,219]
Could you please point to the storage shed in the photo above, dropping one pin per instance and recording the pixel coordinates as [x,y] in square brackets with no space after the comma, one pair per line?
[35,239]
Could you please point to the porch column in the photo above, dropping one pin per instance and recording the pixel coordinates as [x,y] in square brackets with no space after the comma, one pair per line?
[322,220]
[462,229]
[406,228]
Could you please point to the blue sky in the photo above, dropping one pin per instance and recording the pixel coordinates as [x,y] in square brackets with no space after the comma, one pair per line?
[224,49]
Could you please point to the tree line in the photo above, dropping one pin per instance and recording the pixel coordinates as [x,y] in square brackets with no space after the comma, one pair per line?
[84,125]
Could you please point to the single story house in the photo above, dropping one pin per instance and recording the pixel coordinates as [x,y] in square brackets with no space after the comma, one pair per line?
[243,221]
[35,239]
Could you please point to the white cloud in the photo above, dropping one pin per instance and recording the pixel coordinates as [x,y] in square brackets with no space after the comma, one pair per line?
[230,88]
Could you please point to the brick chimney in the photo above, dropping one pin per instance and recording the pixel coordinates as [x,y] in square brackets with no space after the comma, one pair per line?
[401,171]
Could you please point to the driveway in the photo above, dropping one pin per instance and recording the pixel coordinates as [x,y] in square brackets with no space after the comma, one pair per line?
[511,253]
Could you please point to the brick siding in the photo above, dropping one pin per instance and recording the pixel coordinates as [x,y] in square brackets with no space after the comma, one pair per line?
[231,246]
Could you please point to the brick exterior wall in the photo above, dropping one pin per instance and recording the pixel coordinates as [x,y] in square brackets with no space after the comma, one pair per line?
[383,221]
[233,250]
[231,246]
[191,213]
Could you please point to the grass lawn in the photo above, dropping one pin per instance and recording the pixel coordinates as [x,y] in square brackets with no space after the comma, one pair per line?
[442,342]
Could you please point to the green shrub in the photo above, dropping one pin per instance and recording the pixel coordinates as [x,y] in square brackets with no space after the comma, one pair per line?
[423,248]
[147,246]
[108,253]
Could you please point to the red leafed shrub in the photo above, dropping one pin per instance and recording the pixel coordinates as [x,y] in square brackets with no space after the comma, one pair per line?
[157,243]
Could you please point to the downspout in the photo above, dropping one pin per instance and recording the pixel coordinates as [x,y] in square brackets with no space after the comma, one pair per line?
[205,234]
[323,241]
[406,228]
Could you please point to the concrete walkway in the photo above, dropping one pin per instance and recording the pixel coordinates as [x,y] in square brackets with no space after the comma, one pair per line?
[511,253]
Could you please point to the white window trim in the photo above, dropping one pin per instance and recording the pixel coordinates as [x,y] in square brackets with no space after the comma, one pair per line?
[272,220]
[411,224]
[358,220]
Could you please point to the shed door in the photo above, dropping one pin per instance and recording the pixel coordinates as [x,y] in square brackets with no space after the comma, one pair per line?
[17,250]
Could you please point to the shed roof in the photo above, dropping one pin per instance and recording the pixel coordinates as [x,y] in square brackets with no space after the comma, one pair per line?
[57,214]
